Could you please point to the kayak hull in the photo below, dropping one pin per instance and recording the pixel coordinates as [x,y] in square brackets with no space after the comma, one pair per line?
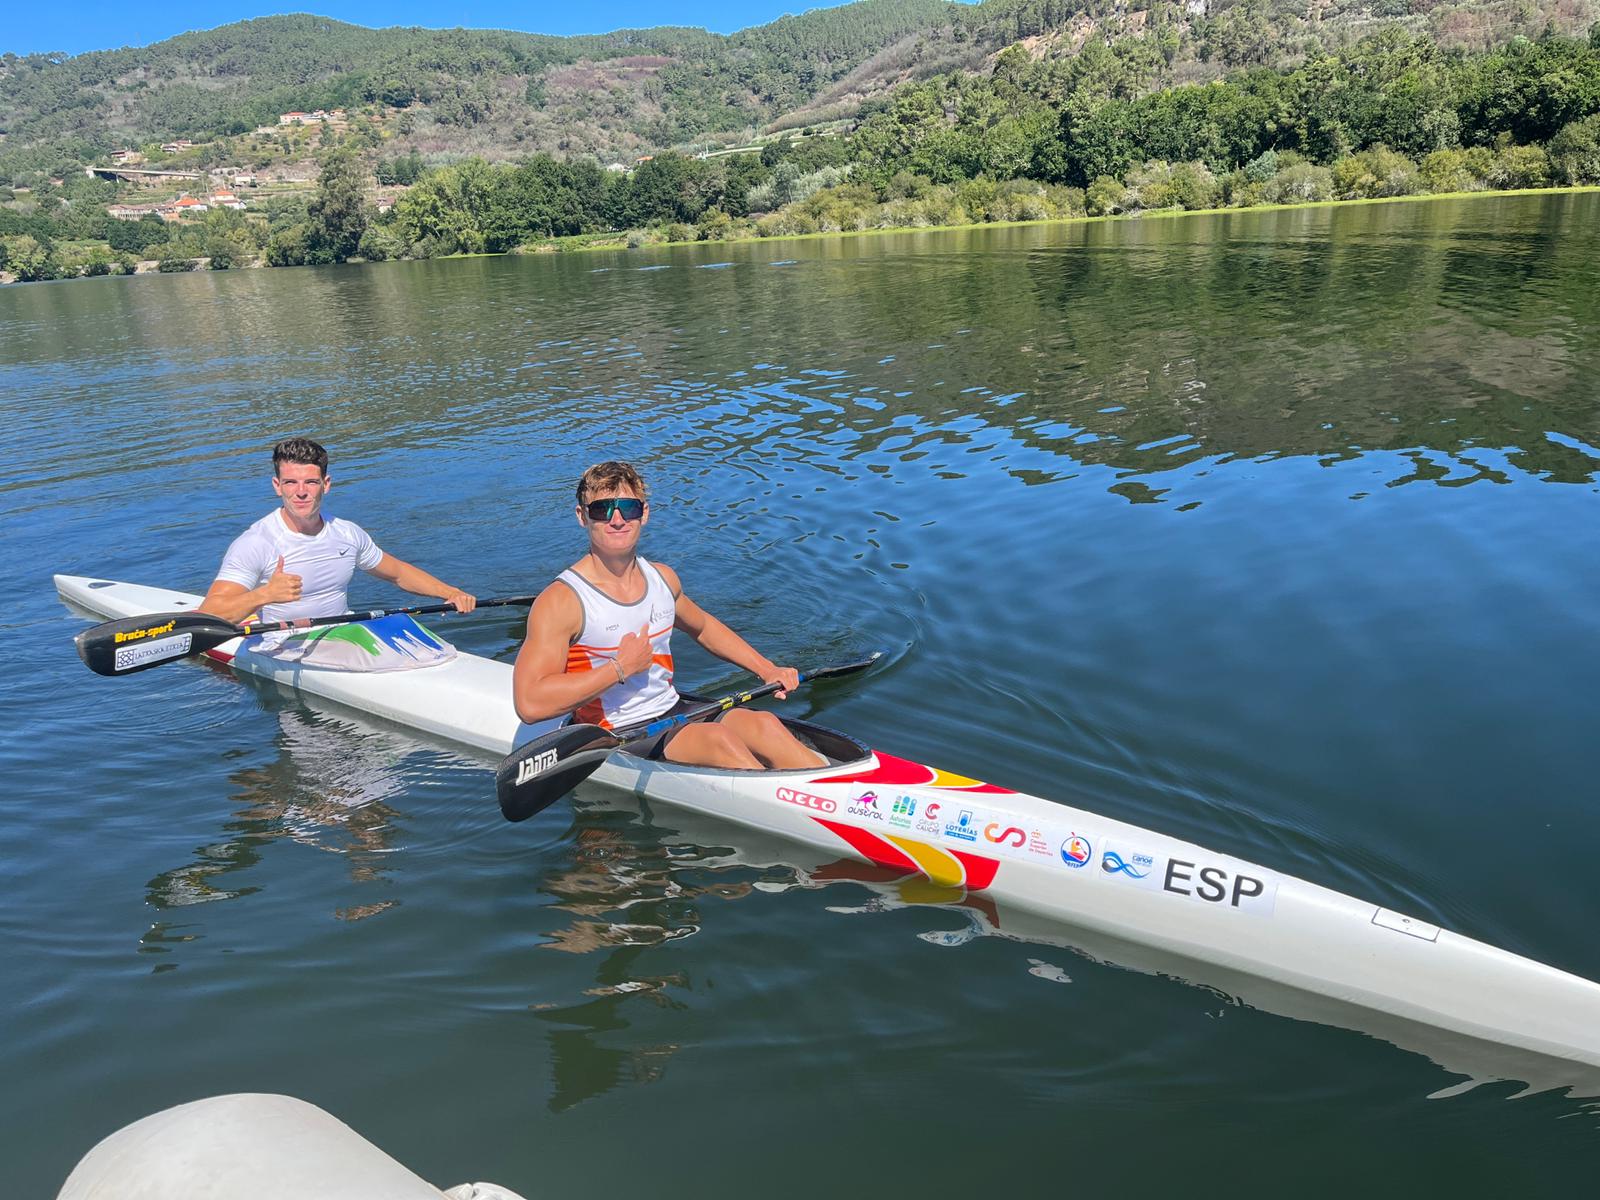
[1049,861]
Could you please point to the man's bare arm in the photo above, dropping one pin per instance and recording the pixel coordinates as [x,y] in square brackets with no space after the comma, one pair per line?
[414,579]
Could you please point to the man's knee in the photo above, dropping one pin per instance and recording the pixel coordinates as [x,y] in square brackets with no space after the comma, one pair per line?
[748,723]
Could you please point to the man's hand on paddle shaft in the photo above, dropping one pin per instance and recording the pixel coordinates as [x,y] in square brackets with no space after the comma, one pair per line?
[282,587]
[634,651]
[464,601]
[788,678]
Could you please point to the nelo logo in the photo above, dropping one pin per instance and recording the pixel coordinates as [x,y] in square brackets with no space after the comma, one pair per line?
[806,800]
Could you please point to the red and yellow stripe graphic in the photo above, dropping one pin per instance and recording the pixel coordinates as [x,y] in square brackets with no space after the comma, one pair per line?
[947,868]
[902,772]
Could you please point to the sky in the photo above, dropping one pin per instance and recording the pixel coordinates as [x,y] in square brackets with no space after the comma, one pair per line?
[77,26]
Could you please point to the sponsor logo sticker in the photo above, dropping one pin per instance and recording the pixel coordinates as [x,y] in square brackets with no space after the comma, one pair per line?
[903,812]
[139,635]
[807,800]
[147,652]
[864,805]
[1004,835]
[1129,865]
[530,768]
[1077,850]
[964,828]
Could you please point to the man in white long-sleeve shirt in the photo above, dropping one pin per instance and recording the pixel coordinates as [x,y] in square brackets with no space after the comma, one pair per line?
[295,562]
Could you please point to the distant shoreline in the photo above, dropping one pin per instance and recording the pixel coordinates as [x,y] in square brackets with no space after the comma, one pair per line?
[618,242]
[587,242]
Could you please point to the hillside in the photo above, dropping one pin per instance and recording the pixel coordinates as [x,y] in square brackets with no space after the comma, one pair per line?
[503,94]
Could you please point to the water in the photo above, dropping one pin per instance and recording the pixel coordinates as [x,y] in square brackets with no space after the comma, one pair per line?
[1274,532]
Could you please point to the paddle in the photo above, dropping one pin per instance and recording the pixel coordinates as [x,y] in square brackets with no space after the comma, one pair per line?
[138,643]
[536,775]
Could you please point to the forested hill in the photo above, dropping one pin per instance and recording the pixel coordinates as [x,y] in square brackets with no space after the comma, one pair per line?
[598,93]
[504,94]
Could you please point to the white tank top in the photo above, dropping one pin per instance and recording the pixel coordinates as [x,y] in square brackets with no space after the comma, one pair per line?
[605,621]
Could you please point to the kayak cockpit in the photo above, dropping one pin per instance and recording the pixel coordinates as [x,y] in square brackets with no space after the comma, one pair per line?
[839,749]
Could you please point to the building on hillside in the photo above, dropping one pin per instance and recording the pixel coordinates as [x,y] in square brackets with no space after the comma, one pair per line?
[131,212]
[183,206]
[224,200]
[176,147]
[126,158]
[312,118]
[615,167]
[643,158]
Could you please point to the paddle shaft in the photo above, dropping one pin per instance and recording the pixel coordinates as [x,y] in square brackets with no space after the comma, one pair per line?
[419,610]
[539,773]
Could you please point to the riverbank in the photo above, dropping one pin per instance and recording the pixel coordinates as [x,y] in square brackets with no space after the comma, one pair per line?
[638,239]
[619,241]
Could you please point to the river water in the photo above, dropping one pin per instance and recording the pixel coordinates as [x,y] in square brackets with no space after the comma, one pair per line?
[1275,532]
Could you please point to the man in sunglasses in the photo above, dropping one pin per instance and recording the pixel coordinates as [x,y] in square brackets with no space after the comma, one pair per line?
[599,643]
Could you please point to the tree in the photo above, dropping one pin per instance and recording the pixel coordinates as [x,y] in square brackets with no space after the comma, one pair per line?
[338,213]
[25,257]
[1575,151]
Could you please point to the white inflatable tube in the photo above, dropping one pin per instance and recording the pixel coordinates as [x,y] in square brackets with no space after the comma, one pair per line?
[249,1147]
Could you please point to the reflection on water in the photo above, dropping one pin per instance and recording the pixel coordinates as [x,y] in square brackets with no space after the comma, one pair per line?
[691,855]
[329,788]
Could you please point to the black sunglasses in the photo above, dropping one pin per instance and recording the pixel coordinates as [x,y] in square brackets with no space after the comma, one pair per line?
[601,510]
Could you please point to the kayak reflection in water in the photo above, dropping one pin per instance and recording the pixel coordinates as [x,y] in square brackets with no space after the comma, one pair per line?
[599,643]
[332,787]
[295,562]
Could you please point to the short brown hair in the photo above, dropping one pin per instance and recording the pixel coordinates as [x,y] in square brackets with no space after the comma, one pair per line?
[611,476]
[300,450]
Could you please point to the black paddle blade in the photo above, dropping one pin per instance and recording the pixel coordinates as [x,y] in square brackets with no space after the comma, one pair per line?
[138,643]
[849,668]
[535,776]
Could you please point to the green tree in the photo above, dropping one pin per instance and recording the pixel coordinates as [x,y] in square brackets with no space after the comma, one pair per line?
[1105,196]
[25,257]
[1575,151]
[339,213]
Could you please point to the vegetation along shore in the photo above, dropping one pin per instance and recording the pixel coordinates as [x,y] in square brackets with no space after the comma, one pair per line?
[880,115]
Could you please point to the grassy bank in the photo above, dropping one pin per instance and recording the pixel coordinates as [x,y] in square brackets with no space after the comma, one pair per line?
[619,241]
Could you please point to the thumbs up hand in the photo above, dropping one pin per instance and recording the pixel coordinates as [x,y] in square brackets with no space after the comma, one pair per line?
[282,587]
[633,653]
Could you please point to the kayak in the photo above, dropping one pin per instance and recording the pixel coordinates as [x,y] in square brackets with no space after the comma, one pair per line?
[1261,934]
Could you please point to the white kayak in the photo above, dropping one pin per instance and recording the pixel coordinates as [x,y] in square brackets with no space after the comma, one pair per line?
[1349,961]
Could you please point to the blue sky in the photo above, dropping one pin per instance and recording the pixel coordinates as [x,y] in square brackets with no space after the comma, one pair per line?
[77,26]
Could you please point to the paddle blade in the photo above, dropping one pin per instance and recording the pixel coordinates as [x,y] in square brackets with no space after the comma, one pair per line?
[849,668]
[533,777]
[138,643]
